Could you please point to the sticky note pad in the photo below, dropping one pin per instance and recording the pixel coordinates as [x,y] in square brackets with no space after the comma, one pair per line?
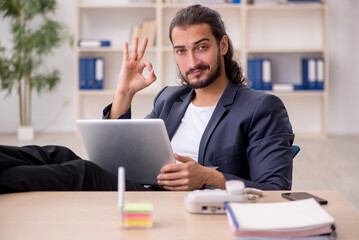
[137,215]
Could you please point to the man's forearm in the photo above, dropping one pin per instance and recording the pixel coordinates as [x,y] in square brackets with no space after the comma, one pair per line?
[121,104]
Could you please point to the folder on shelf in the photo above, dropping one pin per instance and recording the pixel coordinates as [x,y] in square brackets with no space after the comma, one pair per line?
[286,87]
[320,73]
[308,73]
[93,43]
[266,74]
[254,70]
[300,218]
[91,73]
[82,78]
[99,73]
[313,73]
[260,73]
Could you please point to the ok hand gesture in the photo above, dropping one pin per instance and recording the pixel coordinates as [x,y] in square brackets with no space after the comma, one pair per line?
[131,79]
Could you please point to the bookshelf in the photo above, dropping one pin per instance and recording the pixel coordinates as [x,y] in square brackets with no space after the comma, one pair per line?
[285,33]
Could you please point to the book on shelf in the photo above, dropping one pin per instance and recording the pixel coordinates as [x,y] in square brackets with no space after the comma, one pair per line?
[260,73]
[146,29]
[149,31]
[293,219]
[141,1]
[313,73]
[91,73]
[93,43]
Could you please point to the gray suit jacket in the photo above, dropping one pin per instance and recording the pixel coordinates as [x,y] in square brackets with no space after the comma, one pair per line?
[248,137]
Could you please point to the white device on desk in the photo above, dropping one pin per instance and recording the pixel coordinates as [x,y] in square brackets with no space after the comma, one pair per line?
[210,201]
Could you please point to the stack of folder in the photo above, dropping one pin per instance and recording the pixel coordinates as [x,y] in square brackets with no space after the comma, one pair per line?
[302,219]
[91,73]
[260,73]
[313,73]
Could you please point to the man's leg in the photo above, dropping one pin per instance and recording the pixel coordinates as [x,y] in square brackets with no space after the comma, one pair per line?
[50,168]
[53,168]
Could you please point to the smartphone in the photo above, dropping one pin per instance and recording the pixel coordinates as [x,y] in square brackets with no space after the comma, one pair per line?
[303,195]
[295,150]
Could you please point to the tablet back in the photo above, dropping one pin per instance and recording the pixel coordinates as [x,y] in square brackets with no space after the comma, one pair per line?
[141,146]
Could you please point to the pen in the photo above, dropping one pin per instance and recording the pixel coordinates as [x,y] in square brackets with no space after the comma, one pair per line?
[121,192]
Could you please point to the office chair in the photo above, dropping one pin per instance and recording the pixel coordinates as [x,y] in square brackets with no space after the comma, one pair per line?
[295,150]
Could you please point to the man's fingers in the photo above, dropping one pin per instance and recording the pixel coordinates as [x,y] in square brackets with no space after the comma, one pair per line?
[182,158]
[171,168]
[134,50]
[125,52]
[170,176]
[151,78]
[173,183]
[145,63]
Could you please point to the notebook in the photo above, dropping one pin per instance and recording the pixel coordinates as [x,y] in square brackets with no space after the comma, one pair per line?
[141,146]
[281,219]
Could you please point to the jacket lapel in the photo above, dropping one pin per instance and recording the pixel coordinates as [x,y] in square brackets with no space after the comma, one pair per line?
[226,99]
[177,112]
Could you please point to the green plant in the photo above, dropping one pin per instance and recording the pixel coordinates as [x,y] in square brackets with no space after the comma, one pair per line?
[34,36]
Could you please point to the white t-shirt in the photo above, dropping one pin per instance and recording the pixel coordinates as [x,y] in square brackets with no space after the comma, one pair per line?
[186,140]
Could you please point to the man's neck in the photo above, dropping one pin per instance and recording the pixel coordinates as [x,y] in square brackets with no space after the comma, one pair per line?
[209,96]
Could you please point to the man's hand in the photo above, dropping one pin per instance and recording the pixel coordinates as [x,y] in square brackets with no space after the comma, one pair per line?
[188,176]
[131,79]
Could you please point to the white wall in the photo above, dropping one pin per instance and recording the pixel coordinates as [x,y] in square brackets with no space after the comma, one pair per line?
[343,53]
[55,111]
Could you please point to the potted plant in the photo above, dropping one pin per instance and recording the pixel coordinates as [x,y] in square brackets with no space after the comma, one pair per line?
[34,36]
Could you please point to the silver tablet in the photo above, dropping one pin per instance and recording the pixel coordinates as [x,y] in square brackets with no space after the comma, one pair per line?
[141,146]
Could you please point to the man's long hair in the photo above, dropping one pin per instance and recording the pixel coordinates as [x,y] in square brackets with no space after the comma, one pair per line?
[198,14]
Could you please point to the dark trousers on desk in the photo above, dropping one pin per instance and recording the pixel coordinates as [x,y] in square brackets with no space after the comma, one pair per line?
[53,168]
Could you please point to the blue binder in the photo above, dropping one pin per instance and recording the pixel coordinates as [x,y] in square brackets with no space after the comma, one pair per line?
[309,73]
[254,73]
[93,43]
[266,76]
[320,74]
[91,73]
[99,73]
[82,71]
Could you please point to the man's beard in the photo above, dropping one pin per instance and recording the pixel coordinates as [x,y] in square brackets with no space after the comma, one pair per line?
[213,75]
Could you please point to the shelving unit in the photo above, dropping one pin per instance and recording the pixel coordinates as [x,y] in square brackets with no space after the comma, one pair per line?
[283,33]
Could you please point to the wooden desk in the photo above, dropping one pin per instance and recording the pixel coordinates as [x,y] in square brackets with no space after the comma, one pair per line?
[93,215]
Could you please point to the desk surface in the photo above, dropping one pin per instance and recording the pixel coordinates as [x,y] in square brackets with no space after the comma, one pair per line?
[93,215]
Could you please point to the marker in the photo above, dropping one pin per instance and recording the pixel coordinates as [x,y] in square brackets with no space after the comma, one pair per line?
[121,192]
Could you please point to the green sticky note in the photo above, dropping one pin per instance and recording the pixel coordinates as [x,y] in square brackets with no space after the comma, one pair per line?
[138,208]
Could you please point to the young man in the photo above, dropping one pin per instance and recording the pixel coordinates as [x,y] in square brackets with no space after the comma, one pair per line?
[219,128]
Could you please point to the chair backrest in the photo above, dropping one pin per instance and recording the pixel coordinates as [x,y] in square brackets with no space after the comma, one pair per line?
[295,150]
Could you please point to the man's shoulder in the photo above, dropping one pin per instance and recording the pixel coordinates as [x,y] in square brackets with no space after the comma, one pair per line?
[249,98]
[245,92]
[172,93]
